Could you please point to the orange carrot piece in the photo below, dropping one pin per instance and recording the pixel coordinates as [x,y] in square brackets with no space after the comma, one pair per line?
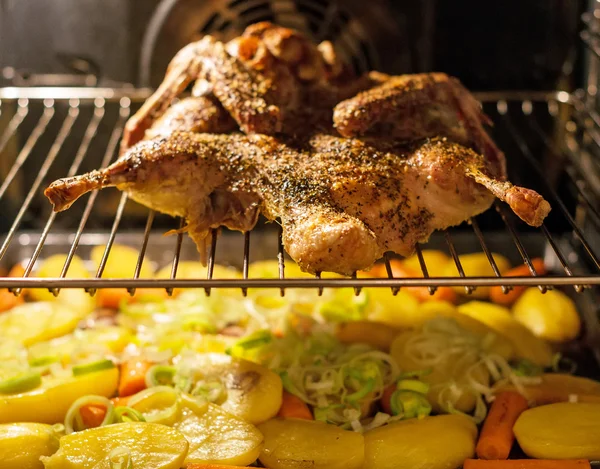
[496,437]
[92,415]
[7,299]
[499,297]
[527,464]
[211,466]
[133,376]
[294,407]
[386,398]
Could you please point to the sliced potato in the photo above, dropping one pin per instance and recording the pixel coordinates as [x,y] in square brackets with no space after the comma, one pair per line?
[73,298]
[448,379]
[400,311]
[50,402]
[477,265]
[253,392]
[525,343]
[22,445]
[191,269]
[298,444]
[436,261]
[83,344]
[560,431]
[148,445]
[440,442]
[218,437]
[558,387]
[121,262]
[35,322]
[552,315]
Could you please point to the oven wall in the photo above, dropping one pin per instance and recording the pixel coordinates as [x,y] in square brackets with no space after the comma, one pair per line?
[516,44]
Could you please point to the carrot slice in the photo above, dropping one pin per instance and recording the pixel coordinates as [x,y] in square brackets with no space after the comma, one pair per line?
[133,376]
[401,270]
[386,398]
[7,299]
[496,438]
[93,415]
[499,297]
[527,464]
[294,407]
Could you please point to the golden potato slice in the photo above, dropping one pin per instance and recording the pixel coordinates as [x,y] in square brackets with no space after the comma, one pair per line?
[121,262]
[22,445]
[84,344]
[36,322]
[298,444]
[476,265]
[525,343]
[437,262]
[440,442]
[560,431]
[252,391]
[551,315]
[400,311]
[218,437]
[147,445]
[50,402]
[73,298]
[449,372]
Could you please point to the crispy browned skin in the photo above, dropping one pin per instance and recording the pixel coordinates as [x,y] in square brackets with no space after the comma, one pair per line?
[409,107]
[200,114]
[342,202]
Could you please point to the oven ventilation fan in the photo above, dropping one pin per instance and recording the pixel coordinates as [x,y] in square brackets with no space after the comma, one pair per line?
[359,30]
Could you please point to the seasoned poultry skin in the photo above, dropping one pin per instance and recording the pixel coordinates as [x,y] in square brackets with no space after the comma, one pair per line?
[342,202]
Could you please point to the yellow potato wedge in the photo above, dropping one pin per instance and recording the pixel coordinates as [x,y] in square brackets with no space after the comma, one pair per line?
[436,261]
[73,298]
[253,392]
[121,262]
[22,445]
[551,316]
[36,322]
[477,265]
[148,445]
[400,311]
[526,344]
[218,437]
[440,442]
[50,402]
[298,444]
[560,431]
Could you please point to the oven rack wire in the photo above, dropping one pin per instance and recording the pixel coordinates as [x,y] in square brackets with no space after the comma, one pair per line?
[582,125]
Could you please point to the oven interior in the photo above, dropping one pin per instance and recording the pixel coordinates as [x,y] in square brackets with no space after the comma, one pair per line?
[65,114]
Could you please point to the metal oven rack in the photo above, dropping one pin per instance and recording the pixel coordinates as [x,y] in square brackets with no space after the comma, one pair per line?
[542,130]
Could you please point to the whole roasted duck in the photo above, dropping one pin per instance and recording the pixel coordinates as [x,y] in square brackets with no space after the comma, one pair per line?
[352,167]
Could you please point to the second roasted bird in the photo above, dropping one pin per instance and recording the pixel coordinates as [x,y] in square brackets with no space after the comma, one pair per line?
[353,167]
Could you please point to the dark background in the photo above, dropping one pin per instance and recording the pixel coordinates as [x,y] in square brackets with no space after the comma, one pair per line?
[526,44]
